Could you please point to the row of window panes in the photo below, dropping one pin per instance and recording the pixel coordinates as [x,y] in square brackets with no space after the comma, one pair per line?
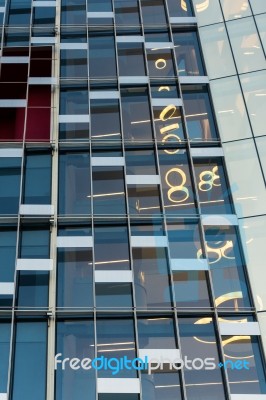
[126,12]
[150,266]
[108,184]
[116,337]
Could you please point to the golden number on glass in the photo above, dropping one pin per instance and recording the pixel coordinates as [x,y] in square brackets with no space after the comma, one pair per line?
[161,88]
[171,109]
[160,63]
[171,135]
[220,251]
[208,178]
[177,188]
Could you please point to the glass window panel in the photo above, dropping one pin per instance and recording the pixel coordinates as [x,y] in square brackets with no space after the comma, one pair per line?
[230,109]
[160,63]
[160,385]
[108,190]
[235,9]
[177,188]
[254,87]
[73,12]
[157,34]
[246,45]
[261,25]
[253,239]
[153,12]
[37,185]
[111,247]
[187,51]
[248,193]
[73,34]
[199,115]
[167,89]
[156,333]
[214,40]
[73,64]
[198,340]
[151,271]
[33,285]
[180,8]
[249,380]
[184,238]
[168,124]
[74,183]
[150,227]
[99,5]
[114,295]
[19,12]
[9,184]
[74,280]
[78,229]
[29,376]
[105,120]
[74,131]
[127,12]
[131,59]
[44,15]
[136,114]
[213,188]
[261,146]
[207,12]
[191,289]
[227,268]
[75,339]
[143,199]
[8,240]
[140,162]
[258,6]
[118,396]
[74,98]
[5,330]
[116,338]
[102,60]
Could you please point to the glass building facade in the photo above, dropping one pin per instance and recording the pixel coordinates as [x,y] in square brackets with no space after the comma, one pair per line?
[132,199]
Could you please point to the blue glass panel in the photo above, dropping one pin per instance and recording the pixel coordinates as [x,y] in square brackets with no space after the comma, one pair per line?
[10,169]
[5,329]
[29,379]
[8,240]
[37,187]
[75,339]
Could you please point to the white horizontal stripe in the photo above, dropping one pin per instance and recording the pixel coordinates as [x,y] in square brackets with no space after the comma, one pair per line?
[107,161]
[118,385]
[34,264]
[167,102]
[149,241]
[44,3]
[193,79]
[133,79]
[100,14]
[189,264]
[183,20]
[11,153]
[245,328]
[14,60]
[74,118]
[36,209]
[10,103]
[48,40]
[130,39]
[6,288]
[74,241]
[105,95]
[159,45]
[113,276]
[207,152]
[248,396]
[73,46]
[223,220]
[2,10]
[3,396]
[143,179]
[42,81]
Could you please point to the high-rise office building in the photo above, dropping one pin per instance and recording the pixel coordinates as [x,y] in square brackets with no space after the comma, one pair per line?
[132,199]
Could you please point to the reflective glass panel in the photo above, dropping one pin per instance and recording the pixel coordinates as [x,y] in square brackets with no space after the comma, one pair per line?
[180,8]
[37,179]
[74,278]
[73,64]
[131,59]
[140,162]
[143,199]
[187,51]
[5,330]
[127,12]
[156,333]
[8,239]
[160,62]
[113,295]
[153,12]
[105,120]
[9,185]
[102,60]
[191,289]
